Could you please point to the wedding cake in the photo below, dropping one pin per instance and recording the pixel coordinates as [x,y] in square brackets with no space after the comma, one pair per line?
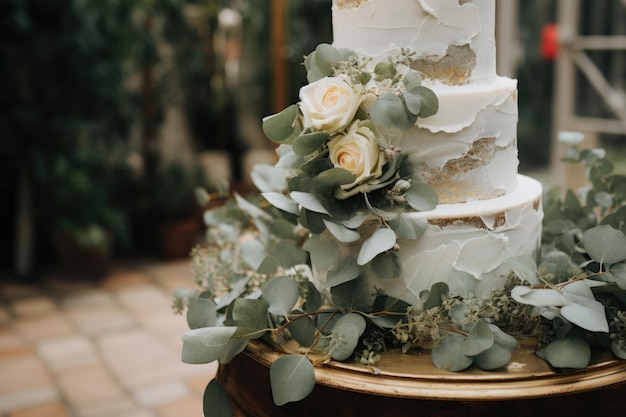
[466,150]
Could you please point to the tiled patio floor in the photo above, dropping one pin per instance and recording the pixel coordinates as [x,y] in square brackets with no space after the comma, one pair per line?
[72,348]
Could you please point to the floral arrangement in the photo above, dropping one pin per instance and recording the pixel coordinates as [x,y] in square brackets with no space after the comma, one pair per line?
[255,278]
[337,162]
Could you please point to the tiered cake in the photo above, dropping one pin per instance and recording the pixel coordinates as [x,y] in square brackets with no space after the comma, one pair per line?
[467,151]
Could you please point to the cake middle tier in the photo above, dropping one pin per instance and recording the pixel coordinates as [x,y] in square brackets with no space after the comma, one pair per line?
[468,150]
[474,239]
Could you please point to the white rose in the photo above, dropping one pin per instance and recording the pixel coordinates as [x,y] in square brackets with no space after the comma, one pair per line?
[357,151]
[329,104]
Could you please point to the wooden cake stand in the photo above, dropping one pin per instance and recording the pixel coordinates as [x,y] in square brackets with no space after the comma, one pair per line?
[410,385]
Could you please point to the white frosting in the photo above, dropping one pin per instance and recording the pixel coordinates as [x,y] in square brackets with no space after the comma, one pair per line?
[463,246]
[468,114]
[378,29]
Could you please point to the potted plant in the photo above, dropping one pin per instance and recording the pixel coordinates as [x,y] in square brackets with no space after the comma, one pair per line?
[80,208]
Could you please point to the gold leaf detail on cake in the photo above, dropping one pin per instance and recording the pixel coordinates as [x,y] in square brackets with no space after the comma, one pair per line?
[454,181]
[349,4]
[454,68]
[475,221]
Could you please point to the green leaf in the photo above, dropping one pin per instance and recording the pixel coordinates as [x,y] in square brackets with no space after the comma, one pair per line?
[248,313]
[503,339]
[327,57]
[389,111]
[334,177]
[448,353]
[215,401]
[252,253]
[525,268]
[423,100]
[493,358]
[571,352]
[345,336]
[324,252]
[281,295]
[382,240]
[479,339]
[618,347]
[312,298]
[308,143]
[387,265]
[206,344]
[202,312]
[412,80]
[302,329]
[604,199]
[422,197]
[605,244]
[292,378]
[347,271]
[408,228]
[289,253]
[341,233]
[617,274]
[353,294]
[384,70]
[282,202]
[280,127]
[308,201]
[438,292]
[269,265]
[462,283]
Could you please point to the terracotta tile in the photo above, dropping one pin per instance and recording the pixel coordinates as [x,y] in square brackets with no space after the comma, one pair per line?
[28,398]
[10,342]
[90,298]
[98,319]
[23,372]
[33,305]
[89,385]
[161,393]
[188,407]
[42,327]
[121,407]
[118,280]
[145,298]
[66,352]
[55,409]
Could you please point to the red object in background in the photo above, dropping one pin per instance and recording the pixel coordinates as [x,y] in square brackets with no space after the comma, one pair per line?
[550,41]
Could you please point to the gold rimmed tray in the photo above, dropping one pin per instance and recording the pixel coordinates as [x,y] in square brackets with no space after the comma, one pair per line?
[406,381]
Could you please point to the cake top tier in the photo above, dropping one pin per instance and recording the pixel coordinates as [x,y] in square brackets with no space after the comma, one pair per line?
[454,40]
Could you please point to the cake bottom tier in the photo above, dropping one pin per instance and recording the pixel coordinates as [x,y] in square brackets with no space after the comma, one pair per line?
[409,385]
[475,238]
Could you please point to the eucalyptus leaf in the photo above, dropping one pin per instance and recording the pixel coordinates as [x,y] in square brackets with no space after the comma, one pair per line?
[281,126]
[462,283]
[384,70]
[618,347]
[479,339]
[617,274]
[233,348]
[387,265]
[206,344]
[308,143]
[268,178]
[324,252]
[289,253]
[345,336]
[252,210]
[525,268]
[248,313]
[341,233]
[302,329]
[438,292]
[389,111]
[215,401]
[407,227]
[334,177]
[312,298]
[503,339]
[202,312]
[448,355]
[382,240]
[308,201]
[492,358]
[252,253]
[571,352]
[605,244]
[292,378]
[282,202]
[428,102]
[347,270]
[327,57]
[422,197]
[281,295]
[412,80]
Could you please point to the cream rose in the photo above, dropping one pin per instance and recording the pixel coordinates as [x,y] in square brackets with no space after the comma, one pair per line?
[357,151]
[329,104]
